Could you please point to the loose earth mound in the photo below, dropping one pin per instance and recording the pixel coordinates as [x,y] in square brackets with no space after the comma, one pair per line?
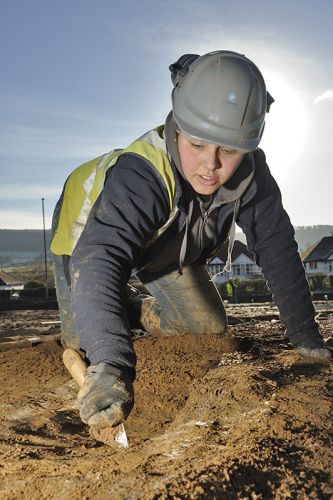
[240,416]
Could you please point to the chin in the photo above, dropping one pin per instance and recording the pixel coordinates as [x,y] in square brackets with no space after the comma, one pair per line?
[205,189]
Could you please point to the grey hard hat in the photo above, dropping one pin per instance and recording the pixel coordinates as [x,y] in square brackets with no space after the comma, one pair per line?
[220,98]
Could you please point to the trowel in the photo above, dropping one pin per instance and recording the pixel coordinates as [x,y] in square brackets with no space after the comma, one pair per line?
[111,436]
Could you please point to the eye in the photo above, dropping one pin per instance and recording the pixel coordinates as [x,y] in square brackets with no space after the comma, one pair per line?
[228,151]
[197,146]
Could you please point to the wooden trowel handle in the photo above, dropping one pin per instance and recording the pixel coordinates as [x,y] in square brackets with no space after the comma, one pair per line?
[75,365]
[112,436]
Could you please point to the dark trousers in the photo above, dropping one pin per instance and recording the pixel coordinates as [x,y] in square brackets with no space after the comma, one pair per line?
[187,303]
[69,336]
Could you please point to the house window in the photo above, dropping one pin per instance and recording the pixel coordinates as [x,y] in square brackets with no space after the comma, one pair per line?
[239,269]
[215,268]
[312,265]
[236,269]
[330,267]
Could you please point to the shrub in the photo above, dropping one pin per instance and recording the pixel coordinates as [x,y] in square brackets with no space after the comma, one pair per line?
[4,294]
[33,284]
[320,282]
[247,289]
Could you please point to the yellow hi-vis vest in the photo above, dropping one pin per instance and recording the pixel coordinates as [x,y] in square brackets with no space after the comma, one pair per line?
[85,183]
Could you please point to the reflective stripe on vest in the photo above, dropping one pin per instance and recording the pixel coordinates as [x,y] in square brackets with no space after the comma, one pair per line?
[85,183]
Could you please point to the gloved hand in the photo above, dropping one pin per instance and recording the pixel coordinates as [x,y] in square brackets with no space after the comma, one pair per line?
[322,353]
[105,398]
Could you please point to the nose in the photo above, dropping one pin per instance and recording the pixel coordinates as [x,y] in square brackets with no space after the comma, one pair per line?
[212,160]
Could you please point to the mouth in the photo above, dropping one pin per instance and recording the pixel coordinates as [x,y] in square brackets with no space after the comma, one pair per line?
[207,180]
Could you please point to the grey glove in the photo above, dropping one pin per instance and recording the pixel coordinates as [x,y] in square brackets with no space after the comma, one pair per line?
[322,353]
[105,398]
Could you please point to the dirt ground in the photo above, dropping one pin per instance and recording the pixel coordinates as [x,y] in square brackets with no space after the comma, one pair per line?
[234,417]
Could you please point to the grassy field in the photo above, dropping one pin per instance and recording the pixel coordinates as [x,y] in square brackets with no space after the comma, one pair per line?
[32,271]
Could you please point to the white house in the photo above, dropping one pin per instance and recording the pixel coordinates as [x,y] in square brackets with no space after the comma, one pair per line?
[8,282]
[243,264]
[318,259]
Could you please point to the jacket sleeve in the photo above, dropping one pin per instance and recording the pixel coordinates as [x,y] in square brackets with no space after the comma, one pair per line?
[132,205]
[270,235]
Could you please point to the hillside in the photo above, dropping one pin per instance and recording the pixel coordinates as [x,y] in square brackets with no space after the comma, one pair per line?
[31,240]
[308,235]
[305,235]
[23,240]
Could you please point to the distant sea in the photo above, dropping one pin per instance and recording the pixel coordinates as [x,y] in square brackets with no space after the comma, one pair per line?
[8,258]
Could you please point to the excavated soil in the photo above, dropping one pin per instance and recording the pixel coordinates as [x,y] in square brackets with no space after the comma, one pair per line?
[234,417]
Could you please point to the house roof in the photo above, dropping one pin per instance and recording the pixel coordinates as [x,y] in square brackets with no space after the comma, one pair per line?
[319,251]
[238,249]
[7,279]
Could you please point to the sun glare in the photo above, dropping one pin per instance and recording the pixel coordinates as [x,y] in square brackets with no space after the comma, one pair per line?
[286,124]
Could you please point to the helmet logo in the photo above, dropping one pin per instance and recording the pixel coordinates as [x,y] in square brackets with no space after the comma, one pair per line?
[232,97]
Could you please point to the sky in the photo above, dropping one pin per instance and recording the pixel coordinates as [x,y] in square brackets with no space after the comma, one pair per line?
[79,78]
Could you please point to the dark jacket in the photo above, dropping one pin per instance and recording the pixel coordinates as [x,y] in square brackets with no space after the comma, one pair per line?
[124,219]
